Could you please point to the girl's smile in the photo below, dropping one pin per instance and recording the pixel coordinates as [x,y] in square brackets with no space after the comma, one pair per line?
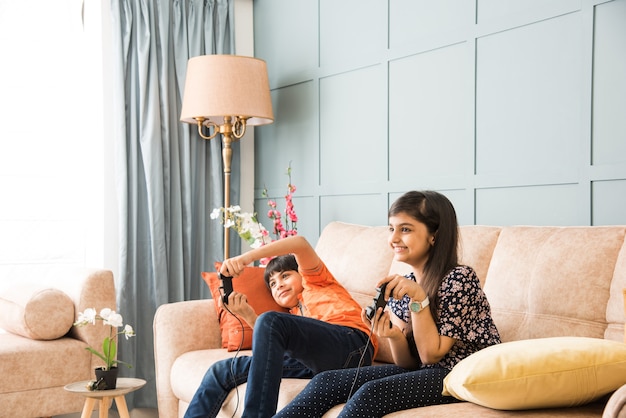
[410,240]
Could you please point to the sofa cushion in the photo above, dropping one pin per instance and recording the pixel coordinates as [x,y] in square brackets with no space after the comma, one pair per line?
[251,284]
[35,312]
[30,365]
[539,373]
[189,368]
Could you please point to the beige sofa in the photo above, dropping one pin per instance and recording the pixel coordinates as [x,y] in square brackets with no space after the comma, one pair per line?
[541,282]
[40,350]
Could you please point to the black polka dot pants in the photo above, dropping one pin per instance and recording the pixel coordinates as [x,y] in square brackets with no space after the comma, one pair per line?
[369,392]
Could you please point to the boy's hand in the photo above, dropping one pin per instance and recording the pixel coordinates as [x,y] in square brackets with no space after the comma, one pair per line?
[234,266]
[238,305]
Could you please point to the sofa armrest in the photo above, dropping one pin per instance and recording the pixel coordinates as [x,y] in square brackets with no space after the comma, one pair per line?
[179,328]
[87,288]
[616,406]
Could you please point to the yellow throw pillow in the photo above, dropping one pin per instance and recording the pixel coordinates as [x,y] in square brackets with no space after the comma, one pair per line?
[539,373]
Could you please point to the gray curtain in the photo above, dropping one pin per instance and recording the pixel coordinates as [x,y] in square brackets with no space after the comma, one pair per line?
[168,179]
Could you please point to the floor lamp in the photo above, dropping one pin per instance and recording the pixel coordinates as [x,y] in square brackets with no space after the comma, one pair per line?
[224,94]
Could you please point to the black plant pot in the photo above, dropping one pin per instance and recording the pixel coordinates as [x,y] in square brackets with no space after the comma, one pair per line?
[105,379]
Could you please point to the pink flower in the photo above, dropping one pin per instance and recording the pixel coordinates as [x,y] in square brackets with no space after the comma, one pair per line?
[288,227]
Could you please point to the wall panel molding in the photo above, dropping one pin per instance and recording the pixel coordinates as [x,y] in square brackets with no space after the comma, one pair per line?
[512,109]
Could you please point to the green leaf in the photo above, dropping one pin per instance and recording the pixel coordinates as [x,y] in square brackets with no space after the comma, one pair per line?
[109,348]
[94,352]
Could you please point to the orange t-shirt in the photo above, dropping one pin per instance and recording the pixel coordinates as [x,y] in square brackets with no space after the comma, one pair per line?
[324,298]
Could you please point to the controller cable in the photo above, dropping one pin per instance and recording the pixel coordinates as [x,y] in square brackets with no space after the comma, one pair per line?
[358,369]
[232,371]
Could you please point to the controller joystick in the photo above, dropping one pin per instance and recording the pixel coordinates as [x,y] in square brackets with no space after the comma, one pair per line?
[379,302]
[227,286]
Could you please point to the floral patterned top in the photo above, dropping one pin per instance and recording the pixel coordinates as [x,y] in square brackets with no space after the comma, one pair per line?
[464,314]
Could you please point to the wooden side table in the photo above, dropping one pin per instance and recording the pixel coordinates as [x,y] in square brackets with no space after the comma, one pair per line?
[124,385]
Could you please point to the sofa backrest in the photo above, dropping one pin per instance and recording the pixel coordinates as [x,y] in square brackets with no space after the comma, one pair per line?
[616,309]
[541,281]
[557,281]
[357,255]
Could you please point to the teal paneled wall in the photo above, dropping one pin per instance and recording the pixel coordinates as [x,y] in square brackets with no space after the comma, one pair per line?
[514,109]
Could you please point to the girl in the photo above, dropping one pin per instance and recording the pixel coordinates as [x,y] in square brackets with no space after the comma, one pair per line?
[438,316]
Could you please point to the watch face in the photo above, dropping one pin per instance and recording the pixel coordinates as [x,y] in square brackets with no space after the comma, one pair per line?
[415,307]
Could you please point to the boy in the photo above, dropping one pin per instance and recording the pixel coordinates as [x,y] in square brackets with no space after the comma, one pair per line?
[323,330]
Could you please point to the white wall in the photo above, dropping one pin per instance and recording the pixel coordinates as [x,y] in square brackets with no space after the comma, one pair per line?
[58,206]
[57,177]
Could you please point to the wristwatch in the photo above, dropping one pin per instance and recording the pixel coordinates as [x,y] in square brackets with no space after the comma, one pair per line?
[416,307]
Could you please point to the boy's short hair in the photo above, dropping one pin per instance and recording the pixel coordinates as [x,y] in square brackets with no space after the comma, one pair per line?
[279,264]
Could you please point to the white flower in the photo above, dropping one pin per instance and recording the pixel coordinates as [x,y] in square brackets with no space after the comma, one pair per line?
[244,223]
[128,331]
[248,222]
[216,213]
[115,320]
[105,313]
[257,244]
[87,317]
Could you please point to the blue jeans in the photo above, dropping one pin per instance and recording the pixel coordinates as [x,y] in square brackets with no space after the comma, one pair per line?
[283,345]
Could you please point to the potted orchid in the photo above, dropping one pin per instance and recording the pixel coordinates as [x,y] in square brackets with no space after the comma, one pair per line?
[106,376]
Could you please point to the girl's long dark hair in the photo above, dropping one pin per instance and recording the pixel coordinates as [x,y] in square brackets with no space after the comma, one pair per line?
[436,212]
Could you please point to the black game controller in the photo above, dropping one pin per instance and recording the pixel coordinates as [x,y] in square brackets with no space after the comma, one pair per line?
[379,302]
[227,286]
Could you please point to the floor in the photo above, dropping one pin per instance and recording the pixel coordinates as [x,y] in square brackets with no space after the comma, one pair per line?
[135,413]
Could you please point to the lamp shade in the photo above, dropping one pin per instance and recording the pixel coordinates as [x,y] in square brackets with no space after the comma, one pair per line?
[227,85]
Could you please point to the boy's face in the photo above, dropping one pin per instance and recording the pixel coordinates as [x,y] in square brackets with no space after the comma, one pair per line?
[286,286]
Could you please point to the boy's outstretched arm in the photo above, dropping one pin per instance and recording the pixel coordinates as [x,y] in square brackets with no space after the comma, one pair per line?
[297,245]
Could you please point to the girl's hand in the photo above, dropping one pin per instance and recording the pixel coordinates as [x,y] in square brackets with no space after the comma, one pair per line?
[398,286]
[382,325]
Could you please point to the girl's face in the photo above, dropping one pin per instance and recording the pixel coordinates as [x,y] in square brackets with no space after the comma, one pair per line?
[286,286]
[410,240]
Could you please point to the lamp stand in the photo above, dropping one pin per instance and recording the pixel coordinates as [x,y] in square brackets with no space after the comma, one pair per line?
[227,157]
[231,132]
